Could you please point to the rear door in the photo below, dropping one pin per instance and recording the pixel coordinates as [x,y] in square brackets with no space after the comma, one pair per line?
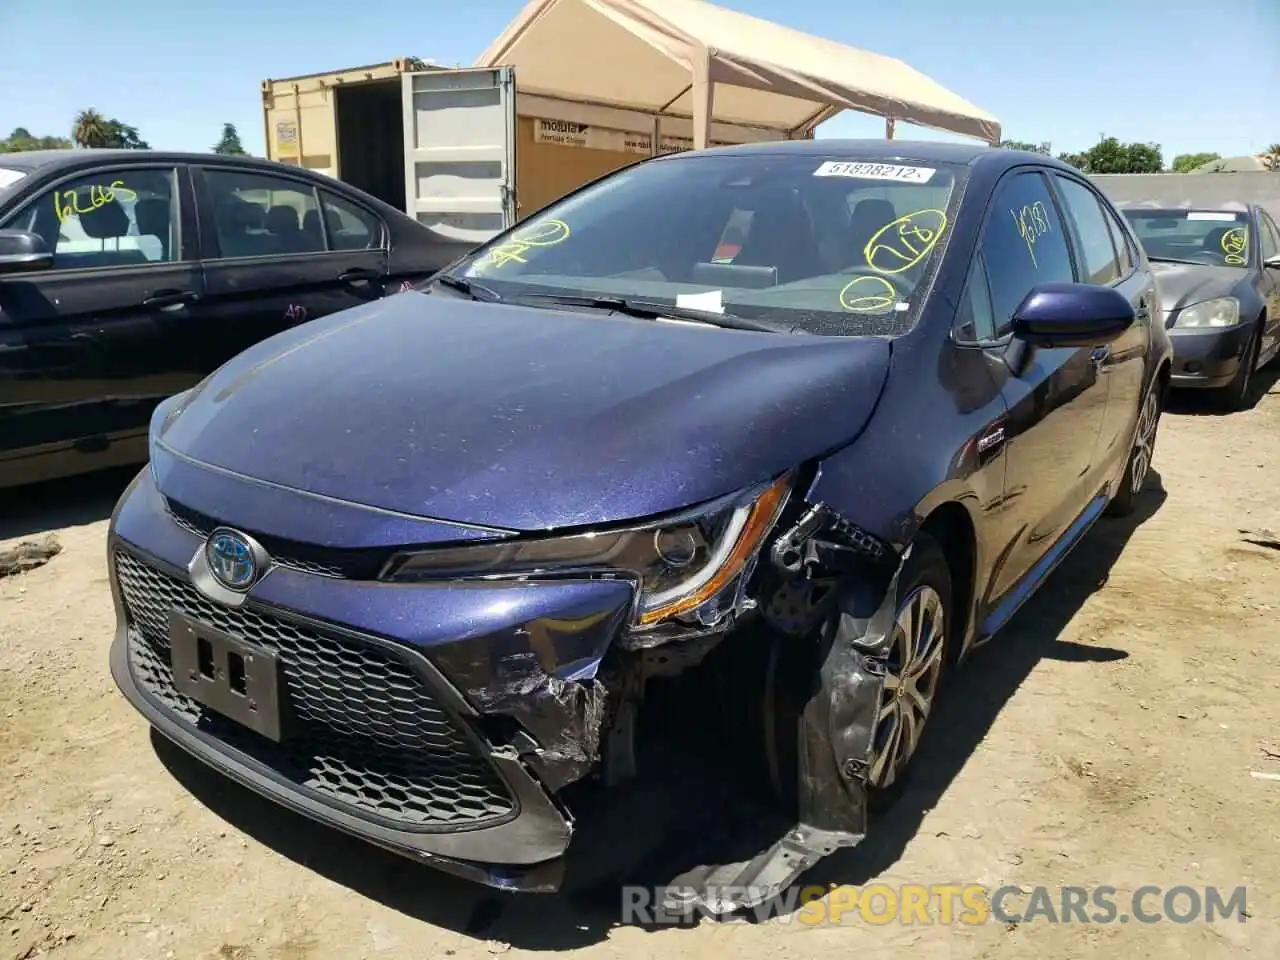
[1105,257]
[278,250]
[89,346]
[459,151]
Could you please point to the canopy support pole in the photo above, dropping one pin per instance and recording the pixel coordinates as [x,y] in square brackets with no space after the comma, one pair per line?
[704,99]
[889,125]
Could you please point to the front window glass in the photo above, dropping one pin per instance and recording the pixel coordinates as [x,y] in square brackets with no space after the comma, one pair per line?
[111,218]
[835,246]
[1216,237]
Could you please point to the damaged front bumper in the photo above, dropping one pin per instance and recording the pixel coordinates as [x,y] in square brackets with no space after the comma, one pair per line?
[443,720]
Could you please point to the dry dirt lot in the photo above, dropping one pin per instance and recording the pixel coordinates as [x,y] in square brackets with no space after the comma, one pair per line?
[1110,736]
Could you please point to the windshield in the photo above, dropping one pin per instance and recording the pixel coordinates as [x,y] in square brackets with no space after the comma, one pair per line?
[1215,237]
[835,246]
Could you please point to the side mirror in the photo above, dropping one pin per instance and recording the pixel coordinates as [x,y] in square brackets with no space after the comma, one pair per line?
[1072,315]
[1272,262]
[21,251]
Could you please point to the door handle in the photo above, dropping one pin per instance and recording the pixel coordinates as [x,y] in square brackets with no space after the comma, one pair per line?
[358,274]
[170,299]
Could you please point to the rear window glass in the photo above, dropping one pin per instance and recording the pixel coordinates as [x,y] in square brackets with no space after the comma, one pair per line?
[838,246]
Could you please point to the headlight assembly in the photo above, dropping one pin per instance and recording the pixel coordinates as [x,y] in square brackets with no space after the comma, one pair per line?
[1221,312]
[679,563]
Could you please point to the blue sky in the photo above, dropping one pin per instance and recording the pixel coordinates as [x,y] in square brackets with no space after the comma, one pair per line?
[1190,75]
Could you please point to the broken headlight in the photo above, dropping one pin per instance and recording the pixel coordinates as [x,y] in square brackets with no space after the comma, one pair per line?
[679,562]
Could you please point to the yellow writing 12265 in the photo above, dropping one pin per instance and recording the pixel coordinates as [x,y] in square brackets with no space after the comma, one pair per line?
[77,203]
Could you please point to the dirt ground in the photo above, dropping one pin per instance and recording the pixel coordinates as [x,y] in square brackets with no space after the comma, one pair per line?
[1111,735]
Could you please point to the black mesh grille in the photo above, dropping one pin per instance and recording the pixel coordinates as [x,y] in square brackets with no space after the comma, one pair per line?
[364,730]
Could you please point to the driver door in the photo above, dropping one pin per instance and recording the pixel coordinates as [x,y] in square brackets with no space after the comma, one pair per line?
[1056,398]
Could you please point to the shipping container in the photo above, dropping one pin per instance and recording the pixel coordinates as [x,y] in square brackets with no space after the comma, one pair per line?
[461,149]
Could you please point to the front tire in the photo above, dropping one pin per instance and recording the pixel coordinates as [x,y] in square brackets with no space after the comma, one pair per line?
[918,659]
[1138,469]
[1235,395]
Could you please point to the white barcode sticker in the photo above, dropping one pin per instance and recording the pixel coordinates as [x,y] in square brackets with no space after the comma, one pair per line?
[874,171]
[1211,215]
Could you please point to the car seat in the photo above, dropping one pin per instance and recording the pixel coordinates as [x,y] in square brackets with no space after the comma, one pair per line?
[152,217]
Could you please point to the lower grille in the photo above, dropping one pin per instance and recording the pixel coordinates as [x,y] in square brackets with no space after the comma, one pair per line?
[366,731]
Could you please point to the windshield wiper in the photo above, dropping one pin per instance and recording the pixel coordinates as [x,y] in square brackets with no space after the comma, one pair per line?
[1194,263]
[652,310]
[476,291]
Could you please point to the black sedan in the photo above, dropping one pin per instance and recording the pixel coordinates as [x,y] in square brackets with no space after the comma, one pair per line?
[127,276]
[736,451]
[1218,270]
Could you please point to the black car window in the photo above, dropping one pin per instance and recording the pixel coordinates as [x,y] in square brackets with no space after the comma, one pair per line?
[1023,244]
[1270,237]
[1101,265]
[111,218]
[975,320]
[259,215]
[350,227]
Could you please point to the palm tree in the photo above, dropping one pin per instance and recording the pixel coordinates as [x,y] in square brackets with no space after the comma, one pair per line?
[1272,158]
[91,129]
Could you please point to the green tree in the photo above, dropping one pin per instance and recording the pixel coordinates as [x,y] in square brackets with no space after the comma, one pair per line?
[90,129]
[230,143]
[124,137]
[1109,155]
[22,140]
[1186,162]
[1023,145]
[1271,157]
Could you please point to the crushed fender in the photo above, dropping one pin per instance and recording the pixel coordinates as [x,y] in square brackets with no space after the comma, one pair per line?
[858,576]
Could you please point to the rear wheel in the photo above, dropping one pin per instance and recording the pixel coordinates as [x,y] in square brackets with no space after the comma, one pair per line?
[915,667]
[1144,448]
[1235,395]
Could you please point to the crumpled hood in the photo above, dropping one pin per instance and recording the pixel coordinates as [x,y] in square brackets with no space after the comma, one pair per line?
[1183,284]
[521,418]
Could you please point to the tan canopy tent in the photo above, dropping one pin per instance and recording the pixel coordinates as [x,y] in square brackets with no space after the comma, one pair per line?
[692,59]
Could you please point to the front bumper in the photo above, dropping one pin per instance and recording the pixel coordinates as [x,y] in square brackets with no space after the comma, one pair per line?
[391,686]
[1207,358]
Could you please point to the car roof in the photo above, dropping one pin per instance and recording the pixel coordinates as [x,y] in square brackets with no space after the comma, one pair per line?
[919,151]
[70,159]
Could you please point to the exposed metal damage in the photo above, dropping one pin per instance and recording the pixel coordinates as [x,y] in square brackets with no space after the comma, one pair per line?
[834,588]
[819,598]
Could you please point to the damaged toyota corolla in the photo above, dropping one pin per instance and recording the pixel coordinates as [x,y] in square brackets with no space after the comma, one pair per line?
[786,428]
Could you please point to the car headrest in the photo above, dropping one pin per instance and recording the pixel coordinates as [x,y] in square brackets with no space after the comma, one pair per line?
[282,220]
[106,222]
[871,214]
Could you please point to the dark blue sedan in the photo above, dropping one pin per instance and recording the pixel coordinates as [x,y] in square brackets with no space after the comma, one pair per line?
[771,434]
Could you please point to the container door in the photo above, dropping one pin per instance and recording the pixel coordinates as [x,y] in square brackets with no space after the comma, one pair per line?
[460,144]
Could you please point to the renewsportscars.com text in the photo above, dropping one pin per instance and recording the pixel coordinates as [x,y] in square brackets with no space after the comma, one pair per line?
[943,904]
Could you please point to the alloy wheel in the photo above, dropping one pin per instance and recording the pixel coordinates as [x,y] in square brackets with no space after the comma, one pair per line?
[1145,441]
[912,674]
